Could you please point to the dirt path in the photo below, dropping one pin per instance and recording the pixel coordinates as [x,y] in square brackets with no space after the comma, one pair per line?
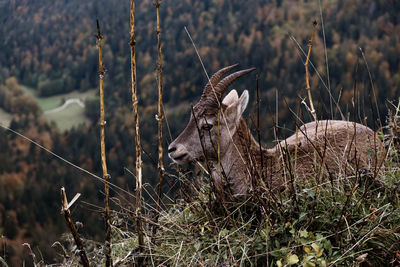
[66,104]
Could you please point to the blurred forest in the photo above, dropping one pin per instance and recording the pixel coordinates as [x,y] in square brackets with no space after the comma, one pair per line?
[50,46]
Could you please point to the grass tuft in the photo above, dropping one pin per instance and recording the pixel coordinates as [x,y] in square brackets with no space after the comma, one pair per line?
[352,220]
[347,226]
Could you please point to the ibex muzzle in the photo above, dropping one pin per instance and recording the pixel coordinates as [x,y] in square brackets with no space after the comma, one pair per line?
[217,133]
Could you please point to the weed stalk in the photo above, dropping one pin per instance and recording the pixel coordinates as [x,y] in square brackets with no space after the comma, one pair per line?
[71,225]
[308,88]
[137,133]
[106,176]
[159,115]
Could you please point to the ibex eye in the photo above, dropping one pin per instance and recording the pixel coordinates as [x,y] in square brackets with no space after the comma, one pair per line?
[206,127]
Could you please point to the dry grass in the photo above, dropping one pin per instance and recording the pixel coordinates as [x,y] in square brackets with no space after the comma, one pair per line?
[352,224]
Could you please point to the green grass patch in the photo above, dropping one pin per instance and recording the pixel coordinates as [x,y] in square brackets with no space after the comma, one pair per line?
[5,117]
[51,102]
[72,116]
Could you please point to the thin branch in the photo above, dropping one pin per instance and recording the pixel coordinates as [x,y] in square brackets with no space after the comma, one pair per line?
[318,74]
[372,86]
[137,132]
[308,88]
[106,176]
[71,225]
[160,115]
[326,57]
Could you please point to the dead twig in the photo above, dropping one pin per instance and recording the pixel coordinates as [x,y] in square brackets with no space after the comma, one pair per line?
[71,225]
[308,88]
[159,116]
[106,176]
[137,133]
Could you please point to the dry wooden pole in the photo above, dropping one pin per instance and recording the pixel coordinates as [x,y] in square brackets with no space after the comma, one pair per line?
[103,153]
[71,225]
[308,88]
[160,111]
[137,131]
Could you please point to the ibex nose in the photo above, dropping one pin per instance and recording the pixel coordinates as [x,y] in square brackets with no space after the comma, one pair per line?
[177,152]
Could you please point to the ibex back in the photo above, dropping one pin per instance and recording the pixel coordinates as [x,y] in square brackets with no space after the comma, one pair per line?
[217,134]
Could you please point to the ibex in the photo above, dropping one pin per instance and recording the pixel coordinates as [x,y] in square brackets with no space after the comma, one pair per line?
[218,134]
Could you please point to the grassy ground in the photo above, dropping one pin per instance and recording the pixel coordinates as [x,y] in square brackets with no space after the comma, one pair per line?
[5,118]
[356,222]
[70,117]
[196,234]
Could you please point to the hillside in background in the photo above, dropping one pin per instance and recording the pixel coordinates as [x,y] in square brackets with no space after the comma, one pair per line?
[50,46]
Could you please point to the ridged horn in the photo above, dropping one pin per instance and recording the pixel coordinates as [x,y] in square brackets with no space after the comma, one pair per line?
[224,84]
[208,89]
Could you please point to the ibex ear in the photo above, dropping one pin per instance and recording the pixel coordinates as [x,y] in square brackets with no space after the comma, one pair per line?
[235,110]
[243,101]
[230,98]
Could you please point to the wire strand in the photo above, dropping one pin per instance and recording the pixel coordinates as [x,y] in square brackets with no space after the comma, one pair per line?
[63,159]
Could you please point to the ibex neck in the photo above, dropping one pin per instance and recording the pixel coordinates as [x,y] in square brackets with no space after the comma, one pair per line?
[239,160]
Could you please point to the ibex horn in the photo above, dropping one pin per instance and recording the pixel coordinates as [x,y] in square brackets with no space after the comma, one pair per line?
[222,85]
[216,78]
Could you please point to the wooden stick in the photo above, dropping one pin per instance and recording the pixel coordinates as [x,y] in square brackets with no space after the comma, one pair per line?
[308,88]
[71,225]
[137,131]
[160,113]
[106,176]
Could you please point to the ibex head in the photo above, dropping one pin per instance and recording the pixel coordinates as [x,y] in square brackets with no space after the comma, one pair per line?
[200,137]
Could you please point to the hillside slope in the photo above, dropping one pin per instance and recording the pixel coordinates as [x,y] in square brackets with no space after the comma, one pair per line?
[50,46]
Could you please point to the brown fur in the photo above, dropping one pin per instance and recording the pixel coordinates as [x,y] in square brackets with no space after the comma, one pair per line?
[318,149]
